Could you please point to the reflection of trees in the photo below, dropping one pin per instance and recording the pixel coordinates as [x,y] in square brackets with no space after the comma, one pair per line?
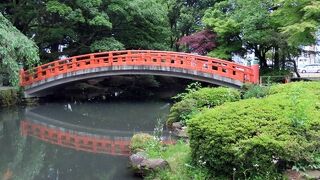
[105,176]
[26,164]
[18,160]
[32,162]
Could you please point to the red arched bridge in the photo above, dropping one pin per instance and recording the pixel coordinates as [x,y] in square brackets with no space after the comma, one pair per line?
[183,65]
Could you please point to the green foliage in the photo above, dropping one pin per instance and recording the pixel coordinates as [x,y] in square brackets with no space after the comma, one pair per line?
[140,24]
[106,44]
[15,48]
[8,97]
[255,91]
[182,111]
[83,26]
[211,97]
[184,18]
[189,89]
[143,142]
[242,27]
[276,29]
[57,7]
[298,20]
[178,157]
[258,137]
[140,142]
[195,100]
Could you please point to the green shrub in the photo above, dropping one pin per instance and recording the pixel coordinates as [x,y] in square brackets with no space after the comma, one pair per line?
[194,101]
[182,111]
[255,91]
[8,97]
[259,137]
[140,141]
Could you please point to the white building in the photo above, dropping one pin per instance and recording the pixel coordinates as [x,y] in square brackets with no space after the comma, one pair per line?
[309,55]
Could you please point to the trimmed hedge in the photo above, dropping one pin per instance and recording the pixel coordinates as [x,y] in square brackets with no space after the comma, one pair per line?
[194,101]
[259,137]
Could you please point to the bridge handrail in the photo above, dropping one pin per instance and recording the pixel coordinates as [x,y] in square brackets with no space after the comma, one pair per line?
[139,57]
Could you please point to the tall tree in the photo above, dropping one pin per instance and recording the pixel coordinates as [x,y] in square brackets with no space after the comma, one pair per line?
[299,20]
[243,26]
[83,26]
[15,48]
[140,24]
[185,18]
[276,27]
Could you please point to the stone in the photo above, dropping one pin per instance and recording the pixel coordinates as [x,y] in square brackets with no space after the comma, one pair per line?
[312,174]
[136,159]
[142,166]
[177,125]
[299,175]
[154,164]
[181,132]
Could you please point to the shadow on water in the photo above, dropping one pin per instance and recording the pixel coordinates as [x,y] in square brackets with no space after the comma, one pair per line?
[74,141]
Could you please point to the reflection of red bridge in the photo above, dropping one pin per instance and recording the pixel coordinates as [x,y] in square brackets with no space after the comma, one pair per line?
[76,140]
[184,65]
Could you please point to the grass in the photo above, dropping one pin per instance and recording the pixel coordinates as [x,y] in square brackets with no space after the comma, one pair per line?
[178,157]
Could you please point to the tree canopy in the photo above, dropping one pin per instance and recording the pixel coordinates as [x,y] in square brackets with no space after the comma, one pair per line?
[271,29]
[84,26]
[15,48]
[299,20]
[264,27]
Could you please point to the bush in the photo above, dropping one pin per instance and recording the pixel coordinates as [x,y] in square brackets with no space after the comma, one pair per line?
[259,137]
[255,91]
[8,97]
[140,141]
[194,101]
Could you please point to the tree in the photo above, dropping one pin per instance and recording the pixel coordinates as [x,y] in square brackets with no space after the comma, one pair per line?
[185,18]
[243,26]
[200,42]
[81,26]
[299,20]
[15,48]
[272,30]
[140,24]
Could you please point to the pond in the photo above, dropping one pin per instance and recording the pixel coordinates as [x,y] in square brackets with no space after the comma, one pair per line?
[74,140]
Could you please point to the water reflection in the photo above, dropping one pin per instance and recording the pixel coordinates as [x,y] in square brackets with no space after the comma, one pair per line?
[91,141]
[82,141]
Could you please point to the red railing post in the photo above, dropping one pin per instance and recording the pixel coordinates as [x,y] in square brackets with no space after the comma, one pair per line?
[110,58]
[256,73]
[22,77]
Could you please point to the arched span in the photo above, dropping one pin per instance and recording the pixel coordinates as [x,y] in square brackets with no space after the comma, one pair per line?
[128,62]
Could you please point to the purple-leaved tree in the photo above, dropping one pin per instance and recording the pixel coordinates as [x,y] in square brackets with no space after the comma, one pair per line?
[200,42]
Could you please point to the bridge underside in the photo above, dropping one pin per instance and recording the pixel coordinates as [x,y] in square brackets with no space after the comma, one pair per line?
[39,89]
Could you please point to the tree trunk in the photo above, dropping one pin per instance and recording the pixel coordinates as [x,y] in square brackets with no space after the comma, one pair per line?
[283,61]
[262,59]
[276,64]
[294,65]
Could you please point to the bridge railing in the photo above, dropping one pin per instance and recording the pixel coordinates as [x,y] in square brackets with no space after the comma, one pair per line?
[186,61]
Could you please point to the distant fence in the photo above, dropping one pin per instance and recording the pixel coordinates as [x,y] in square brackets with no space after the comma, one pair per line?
[264,80]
